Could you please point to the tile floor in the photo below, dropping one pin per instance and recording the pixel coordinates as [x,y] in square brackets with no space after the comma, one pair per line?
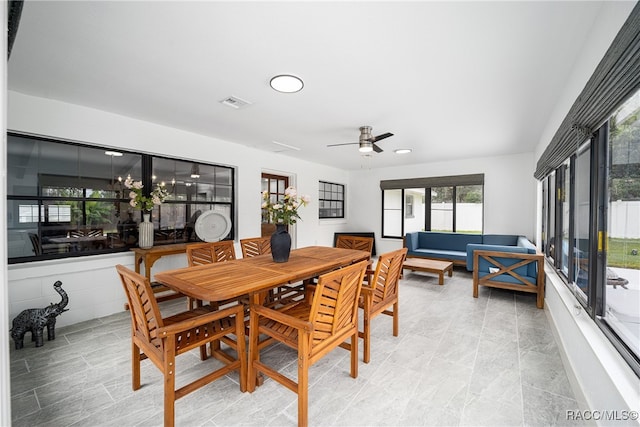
[458,361]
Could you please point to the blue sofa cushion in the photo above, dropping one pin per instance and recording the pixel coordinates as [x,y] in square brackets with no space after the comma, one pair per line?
[440,254]
[500,239]
[447,241]
[507,278]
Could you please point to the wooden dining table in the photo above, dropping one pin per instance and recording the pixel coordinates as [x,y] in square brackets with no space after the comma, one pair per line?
[255,276]
[252,276]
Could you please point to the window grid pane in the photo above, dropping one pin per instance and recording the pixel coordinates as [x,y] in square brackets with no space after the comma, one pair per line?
[330,200]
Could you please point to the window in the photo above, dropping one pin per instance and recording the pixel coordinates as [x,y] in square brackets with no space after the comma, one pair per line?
[57,191]
[392,213]
[564,198]
[622,280]
[331,200]
[408,206]
[275,185]
[581,222]
[597,217]
[431,205]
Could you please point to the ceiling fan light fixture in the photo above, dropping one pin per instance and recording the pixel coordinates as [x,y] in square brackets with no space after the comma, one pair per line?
[365,148]
[286,83]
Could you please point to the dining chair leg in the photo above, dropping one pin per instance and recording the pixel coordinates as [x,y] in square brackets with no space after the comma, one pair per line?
[254,354]
[241,353]
[396,316]
[354,355]
[169,385]
[367,337]
[303,380]
[135,367]
[203,352]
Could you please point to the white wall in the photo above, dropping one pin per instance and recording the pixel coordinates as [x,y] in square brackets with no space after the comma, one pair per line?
[509,193]
[91,282]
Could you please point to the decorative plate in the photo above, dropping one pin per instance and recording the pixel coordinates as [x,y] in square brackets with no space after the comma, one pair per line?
[212,226]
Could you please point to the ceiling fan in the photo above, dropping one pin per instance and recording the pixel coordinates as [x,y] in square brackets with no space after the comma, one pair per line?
[367,141]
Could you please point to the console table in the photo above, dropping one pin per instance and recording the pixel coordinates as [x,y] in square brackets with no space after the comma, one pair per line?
[149,257]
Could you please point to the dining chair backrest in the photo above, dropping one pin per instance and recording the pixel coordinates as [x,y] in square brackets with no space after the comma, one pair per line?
[145,314]
[210,252]
[334,308]
[255,246]
[355,242]
[386,277]
[93,232]
[35,242]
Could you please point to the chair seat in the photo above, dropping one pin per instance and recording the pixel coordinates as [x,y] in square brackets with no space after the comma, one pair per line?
[285,333]
[191,338]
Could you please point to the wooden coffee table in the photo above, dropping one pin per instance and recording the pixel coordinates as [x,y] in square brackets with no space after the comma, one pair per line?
[430,266]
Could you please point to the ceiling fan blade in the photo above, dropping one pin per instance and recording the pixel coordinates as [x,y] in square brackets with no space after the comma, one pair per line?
[380,137]
[376,148]
[346,143]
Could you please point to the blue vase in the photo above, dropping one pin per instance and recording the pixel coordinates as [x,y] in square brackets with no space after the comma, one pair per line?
[280,244]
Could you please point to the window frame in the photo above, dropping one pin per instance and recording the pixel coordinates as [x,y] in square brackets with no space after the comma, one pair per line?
[340,203]
[594,304]
[114,200]
[427,184]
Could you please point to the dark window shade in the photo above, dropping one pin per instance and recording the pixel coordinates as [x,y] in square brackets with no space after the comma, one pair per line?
[614,80]
[438,181]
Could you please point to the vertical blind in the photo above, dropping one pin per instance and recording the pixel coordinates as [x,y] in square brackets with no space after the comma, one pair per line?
[616,77]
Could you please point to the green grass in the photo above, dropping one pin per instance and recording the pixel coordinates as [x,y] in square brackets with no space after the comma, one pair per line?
[619,253]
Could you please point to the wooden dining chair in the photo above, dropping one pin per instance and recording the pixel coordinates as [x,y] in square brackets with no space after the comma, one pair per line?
[312,329]
[162,339]
[344,241]
[255,246]
[209,252]
[354,242]
[380,293]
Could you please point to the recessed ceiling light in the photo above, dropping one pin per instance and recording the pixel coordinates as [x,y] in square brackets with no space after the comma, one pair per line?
[286,83]
[113,153]
[402,150]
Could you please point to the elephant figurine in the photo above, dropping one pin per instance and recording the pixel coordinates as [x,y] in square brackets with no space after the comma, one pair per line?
[35,319]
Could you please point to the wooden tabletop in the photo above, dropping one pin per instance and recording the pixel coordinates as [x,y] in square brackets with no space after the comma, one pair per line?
[231,279]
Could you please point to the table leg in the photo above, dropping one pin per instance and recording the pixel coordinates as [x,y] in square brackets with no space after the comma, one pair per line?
[441,278]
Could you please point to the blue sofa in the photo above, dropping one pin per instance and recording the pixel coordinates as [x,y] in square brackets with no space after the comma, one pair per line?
[441,246]
[496,260]
[454,247]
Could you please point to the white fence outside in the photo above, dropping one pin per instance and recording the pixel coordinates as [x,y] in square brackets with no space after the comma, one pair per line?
[624,219]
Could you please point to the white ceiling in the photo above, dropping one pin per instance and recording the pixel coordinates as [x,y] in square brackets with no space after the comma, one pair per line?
[449,79]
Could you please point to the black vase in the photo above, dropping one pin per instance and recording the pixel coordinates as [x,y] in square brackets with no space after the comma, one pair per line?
[280,244]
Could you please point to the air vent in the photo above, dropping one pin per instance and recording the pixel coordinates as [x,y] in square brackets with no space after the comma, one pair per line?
[235,102]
